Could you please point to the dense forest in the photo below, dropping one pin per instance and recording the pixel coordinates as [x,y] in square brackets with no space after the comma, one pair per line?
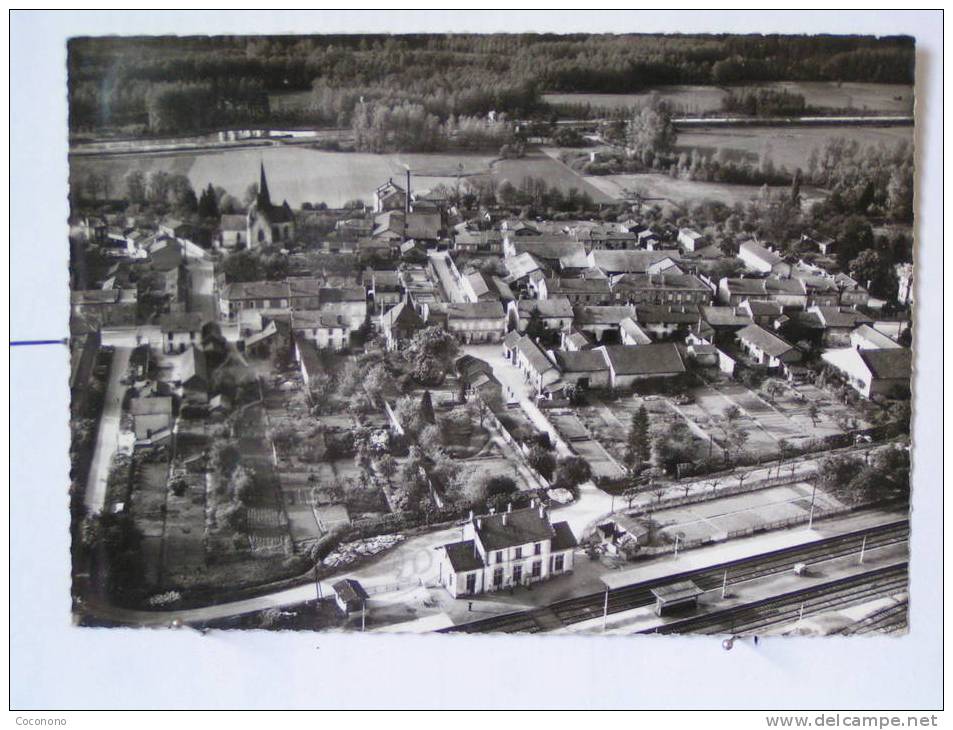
[174,85]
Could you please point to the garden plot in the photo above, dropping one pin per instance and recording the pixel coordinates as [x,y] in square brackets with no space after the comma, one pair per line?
[461,433]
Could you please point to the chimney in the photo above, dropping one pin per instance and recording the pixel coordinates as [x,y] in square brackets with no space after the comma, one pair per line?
[407,197]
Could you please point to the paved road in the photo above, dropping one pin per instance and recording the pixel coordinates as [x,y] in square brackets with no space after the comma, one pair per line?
[107,437]
[201,299]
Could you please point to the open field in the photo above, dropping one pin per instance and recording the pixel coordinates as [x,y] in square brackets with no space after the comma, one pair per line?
[679,193]
[300,175]
[892,98]
[786,146]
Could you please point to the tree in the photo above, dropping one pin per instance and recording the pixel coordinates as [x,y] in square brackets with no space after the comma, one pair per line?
[674,446]
[379,382]
[536,328]
[135,183]
[386,466]
[542,461]
[478,409]
[650,132]
[242,266]
[431,352]
[813,412]
[208,203]
[639,449]
[876,273]
[571,471]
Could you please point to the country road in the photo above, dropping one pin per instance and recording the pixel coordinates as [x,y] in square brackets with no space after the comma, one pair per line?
[107,436]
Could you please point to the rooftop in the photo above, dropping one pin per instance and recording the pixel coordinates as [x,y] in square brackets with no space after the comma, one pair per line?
[768,343]
[509,529]
[658,359]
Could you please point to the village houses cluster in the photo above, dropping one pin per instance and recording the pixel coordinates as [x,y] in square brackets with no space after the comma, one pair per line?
[575,305]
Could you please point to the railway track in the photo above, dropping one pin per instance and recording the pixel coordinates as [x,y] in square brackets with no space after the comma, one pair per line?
[889,620]
[790,607]
[582,608]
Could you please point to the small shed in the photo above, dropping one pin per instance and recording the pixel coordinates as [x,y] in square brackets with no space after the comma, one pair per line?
[350,595]
[676,597]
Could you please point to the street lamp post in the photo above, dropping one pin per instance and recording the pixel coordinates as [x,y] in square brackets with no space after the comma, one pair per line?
[810,522]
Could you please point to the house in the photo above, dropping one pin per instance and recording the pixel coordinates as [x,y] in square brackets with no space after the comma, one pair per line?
[395,225]
[839,323]
[629,364]
[733,291]
[852,294]
[876,371]
[473,322]
[824,244]
[633,262]
[348,301]
[91,309]
[632,334]
[268,224]
[150,416]
[648,239]
[583,290]
[690,239]
[538,369]
[524,271]
[585,368]
[605,238]
[193,376]
[866,337]
[661,288]
[390,196]
[763,260]
[374,248]
[789,293]
[476,288]
[518,227]
[383,288]
[576,340]
[180,330]
[506,549]
[350,596]
[724,321]
[559,253]
[556,314]
[821,291]
[766,348]
[759,311]
[328,330]
[602,322]
[306,355]
[233,231]
[167,264]
[477,241]
[354,229]
[400,323]
[260,295]
[661,321]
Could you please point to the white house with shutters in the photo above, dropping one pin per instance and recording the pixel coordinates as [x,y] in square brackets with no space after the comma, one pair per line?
[506,549]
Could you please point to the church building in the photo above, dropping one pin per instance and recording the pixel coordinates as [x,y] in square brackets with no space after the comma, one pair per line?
[268,224]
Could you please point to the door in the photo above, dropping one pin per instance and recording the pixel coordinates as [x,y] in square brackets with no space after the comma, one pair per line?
[517,574]
[471,583]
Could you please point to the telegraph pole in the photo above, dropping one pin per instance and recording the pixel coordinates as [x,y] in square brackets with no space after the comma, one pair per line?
[863,549]
[724,585]
[810,522]
[605,609]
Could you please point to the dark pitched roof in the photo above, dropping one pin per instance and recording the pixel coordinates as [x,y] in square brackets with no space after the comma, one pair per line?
[608,314]
[580,361]
[464,556]
[564,539]
[658,359]
[557,307]
[888,363]
[350,590]
[402,315]
[534,355]
[522,526]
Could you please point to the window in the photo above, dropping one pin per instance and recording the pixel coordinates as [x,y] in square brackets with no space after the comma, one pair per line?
[538,549]
[517,573]
[518,553]
[499,556]
[537,568]
[498,577]
[558,564]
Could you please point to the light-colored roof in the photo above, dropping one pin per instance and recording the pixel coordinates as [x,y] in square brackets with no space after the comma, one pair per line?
[768,343]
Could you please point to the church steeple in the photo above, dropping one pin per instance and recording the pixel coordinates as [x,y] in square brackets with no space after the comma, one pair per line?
[264,197]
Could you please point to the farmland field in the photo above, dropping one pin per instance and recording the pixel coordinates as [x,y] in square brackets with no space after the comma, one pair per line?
[663,188]
[885,98]
[787,146]
[304,175]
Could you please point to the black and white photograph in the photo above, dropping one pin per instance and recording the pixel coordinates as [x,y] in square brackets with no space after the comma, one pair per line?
[492,333]
[466,360]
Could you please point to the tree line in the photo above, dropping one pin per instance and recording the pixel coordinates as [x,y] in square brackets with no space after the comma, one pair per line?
[185,84]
